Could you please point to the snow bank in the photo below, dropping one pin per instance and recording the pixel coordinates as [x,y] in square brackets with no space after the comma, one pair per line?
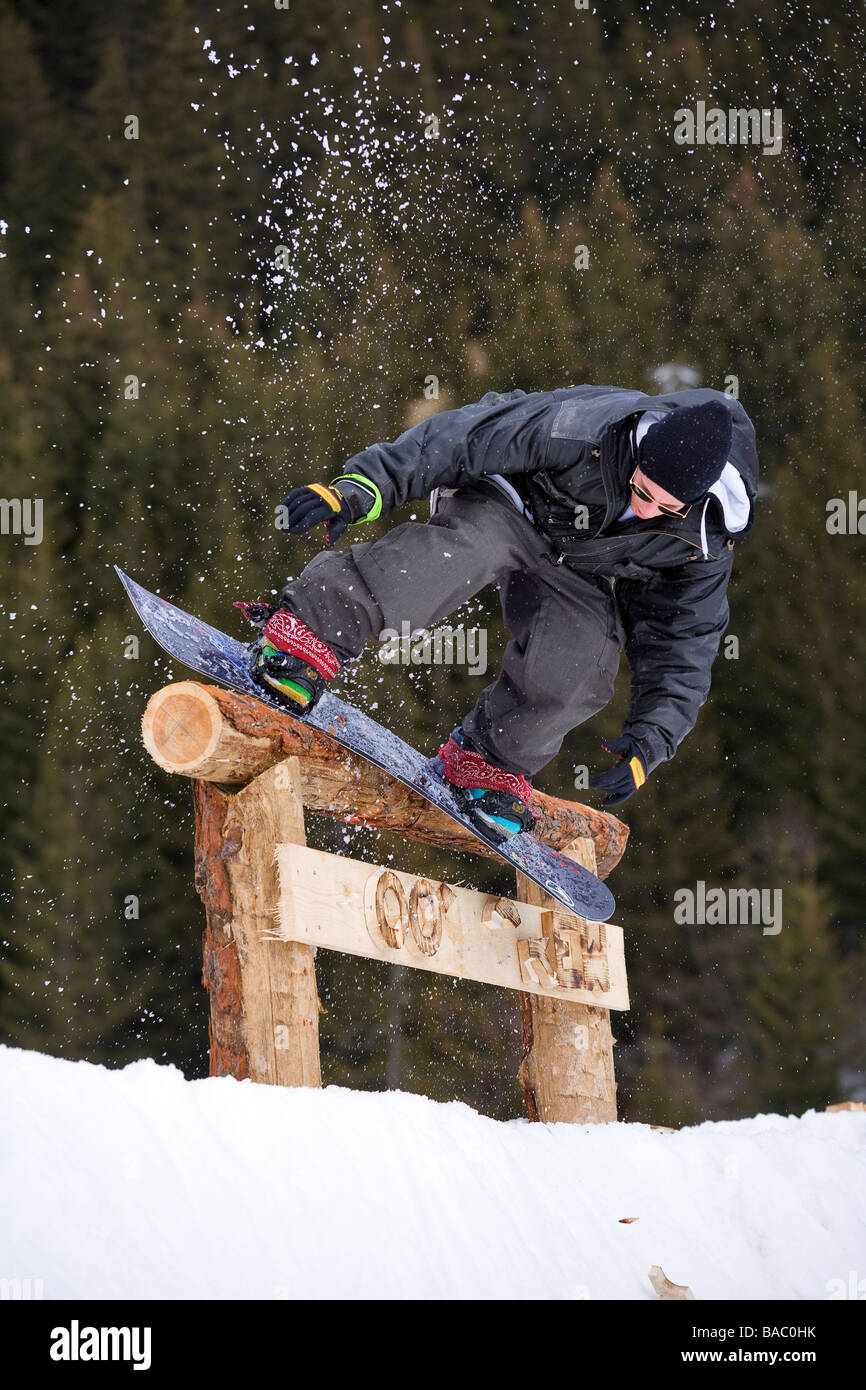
[139,1184]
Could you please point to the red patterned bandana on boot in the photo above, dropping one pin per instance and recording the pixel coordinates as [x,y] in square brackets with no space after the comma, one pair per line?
[465,768]
[287,633]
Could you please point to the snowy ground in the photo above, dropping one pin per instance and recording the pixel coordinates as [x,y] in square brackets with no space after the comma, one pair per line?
[137,1183]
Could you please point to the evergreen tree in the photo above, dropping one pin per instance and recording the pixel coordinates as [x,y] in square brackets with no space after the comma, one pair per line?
[797,1012]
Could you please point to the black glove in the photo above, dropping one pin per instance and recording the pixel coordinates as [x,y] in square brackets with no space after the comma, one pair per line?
[630,772]
[342,504]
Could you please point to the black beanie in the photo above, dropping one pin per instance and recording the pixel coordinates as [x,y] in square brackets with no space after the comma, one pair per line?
[686,451]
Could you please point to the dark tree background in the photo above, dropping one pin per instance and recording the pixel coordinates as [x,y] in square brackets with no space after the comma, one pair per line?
[413,251]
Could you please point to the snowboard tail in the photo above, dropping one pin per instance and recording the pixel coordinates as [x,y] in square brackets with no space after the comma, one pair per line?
[214,654]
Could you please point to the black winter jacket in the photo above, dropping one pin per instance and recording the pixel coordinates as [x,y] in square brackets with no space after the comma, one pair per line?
[570,454]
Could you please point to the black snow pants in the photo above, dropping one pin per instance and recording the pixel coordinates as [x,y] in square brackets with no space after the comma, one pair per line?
[559,668]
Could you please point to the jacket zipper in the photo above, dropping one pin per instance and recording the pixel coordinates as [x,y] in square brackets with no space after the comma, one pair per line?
[693,544]
[560,557]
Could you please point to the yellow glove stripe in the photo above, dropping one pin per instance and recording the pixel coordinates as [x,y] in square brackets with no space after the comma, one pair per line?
[637,771]
[333,499]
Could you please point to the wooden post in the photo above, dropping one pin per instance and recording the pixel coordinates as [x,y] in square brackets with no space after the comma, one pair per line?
[567,1066]
[264,1018]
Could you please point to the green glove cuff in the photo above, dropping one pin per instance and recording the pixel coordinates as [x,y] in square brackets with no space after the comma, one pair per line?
[376,509]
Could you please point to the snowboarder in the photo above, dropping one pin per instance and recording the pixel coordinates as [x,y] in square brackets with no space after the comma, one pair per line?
[606,519]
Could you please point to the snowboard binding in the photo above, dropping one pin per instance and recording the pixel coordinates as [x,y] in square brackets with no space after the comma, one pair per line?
[497,812]
[501,807]
[288,660]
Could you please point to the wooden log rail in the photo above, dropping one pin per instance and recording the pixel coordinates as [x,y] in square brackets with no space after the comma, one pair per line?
[254,770]
[203,732]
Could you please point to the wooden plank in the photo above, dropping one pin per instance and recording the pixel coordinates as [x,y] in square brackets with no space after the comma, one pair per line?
[567,1069]
[384,914]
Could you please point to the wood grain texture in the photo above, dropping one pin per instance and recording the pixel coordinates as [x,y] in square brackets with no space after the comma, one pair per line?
[383,914]
[566,1068]
[202,731]
[264,1008]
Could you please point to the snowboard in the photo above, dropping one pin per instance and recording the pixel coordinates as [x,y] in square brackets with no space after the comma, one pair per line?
[214,654]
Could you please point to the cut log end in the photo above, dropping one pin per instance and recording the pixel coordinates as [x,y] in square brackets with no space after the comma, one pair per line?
[181,728]
[184,732]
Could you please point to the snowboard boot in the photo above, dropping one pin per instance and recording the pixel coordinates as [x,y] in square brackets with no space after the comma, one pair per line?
[490,796]
[288,660]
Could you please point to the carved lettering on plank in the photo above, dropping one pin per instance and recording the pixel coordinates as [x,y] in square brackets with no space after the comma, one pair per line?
[392,909]
[571,954]
[414,921]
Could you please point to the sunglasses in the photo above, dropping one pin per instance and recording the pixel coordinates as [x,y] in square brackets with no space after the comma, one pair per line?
[662,506]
